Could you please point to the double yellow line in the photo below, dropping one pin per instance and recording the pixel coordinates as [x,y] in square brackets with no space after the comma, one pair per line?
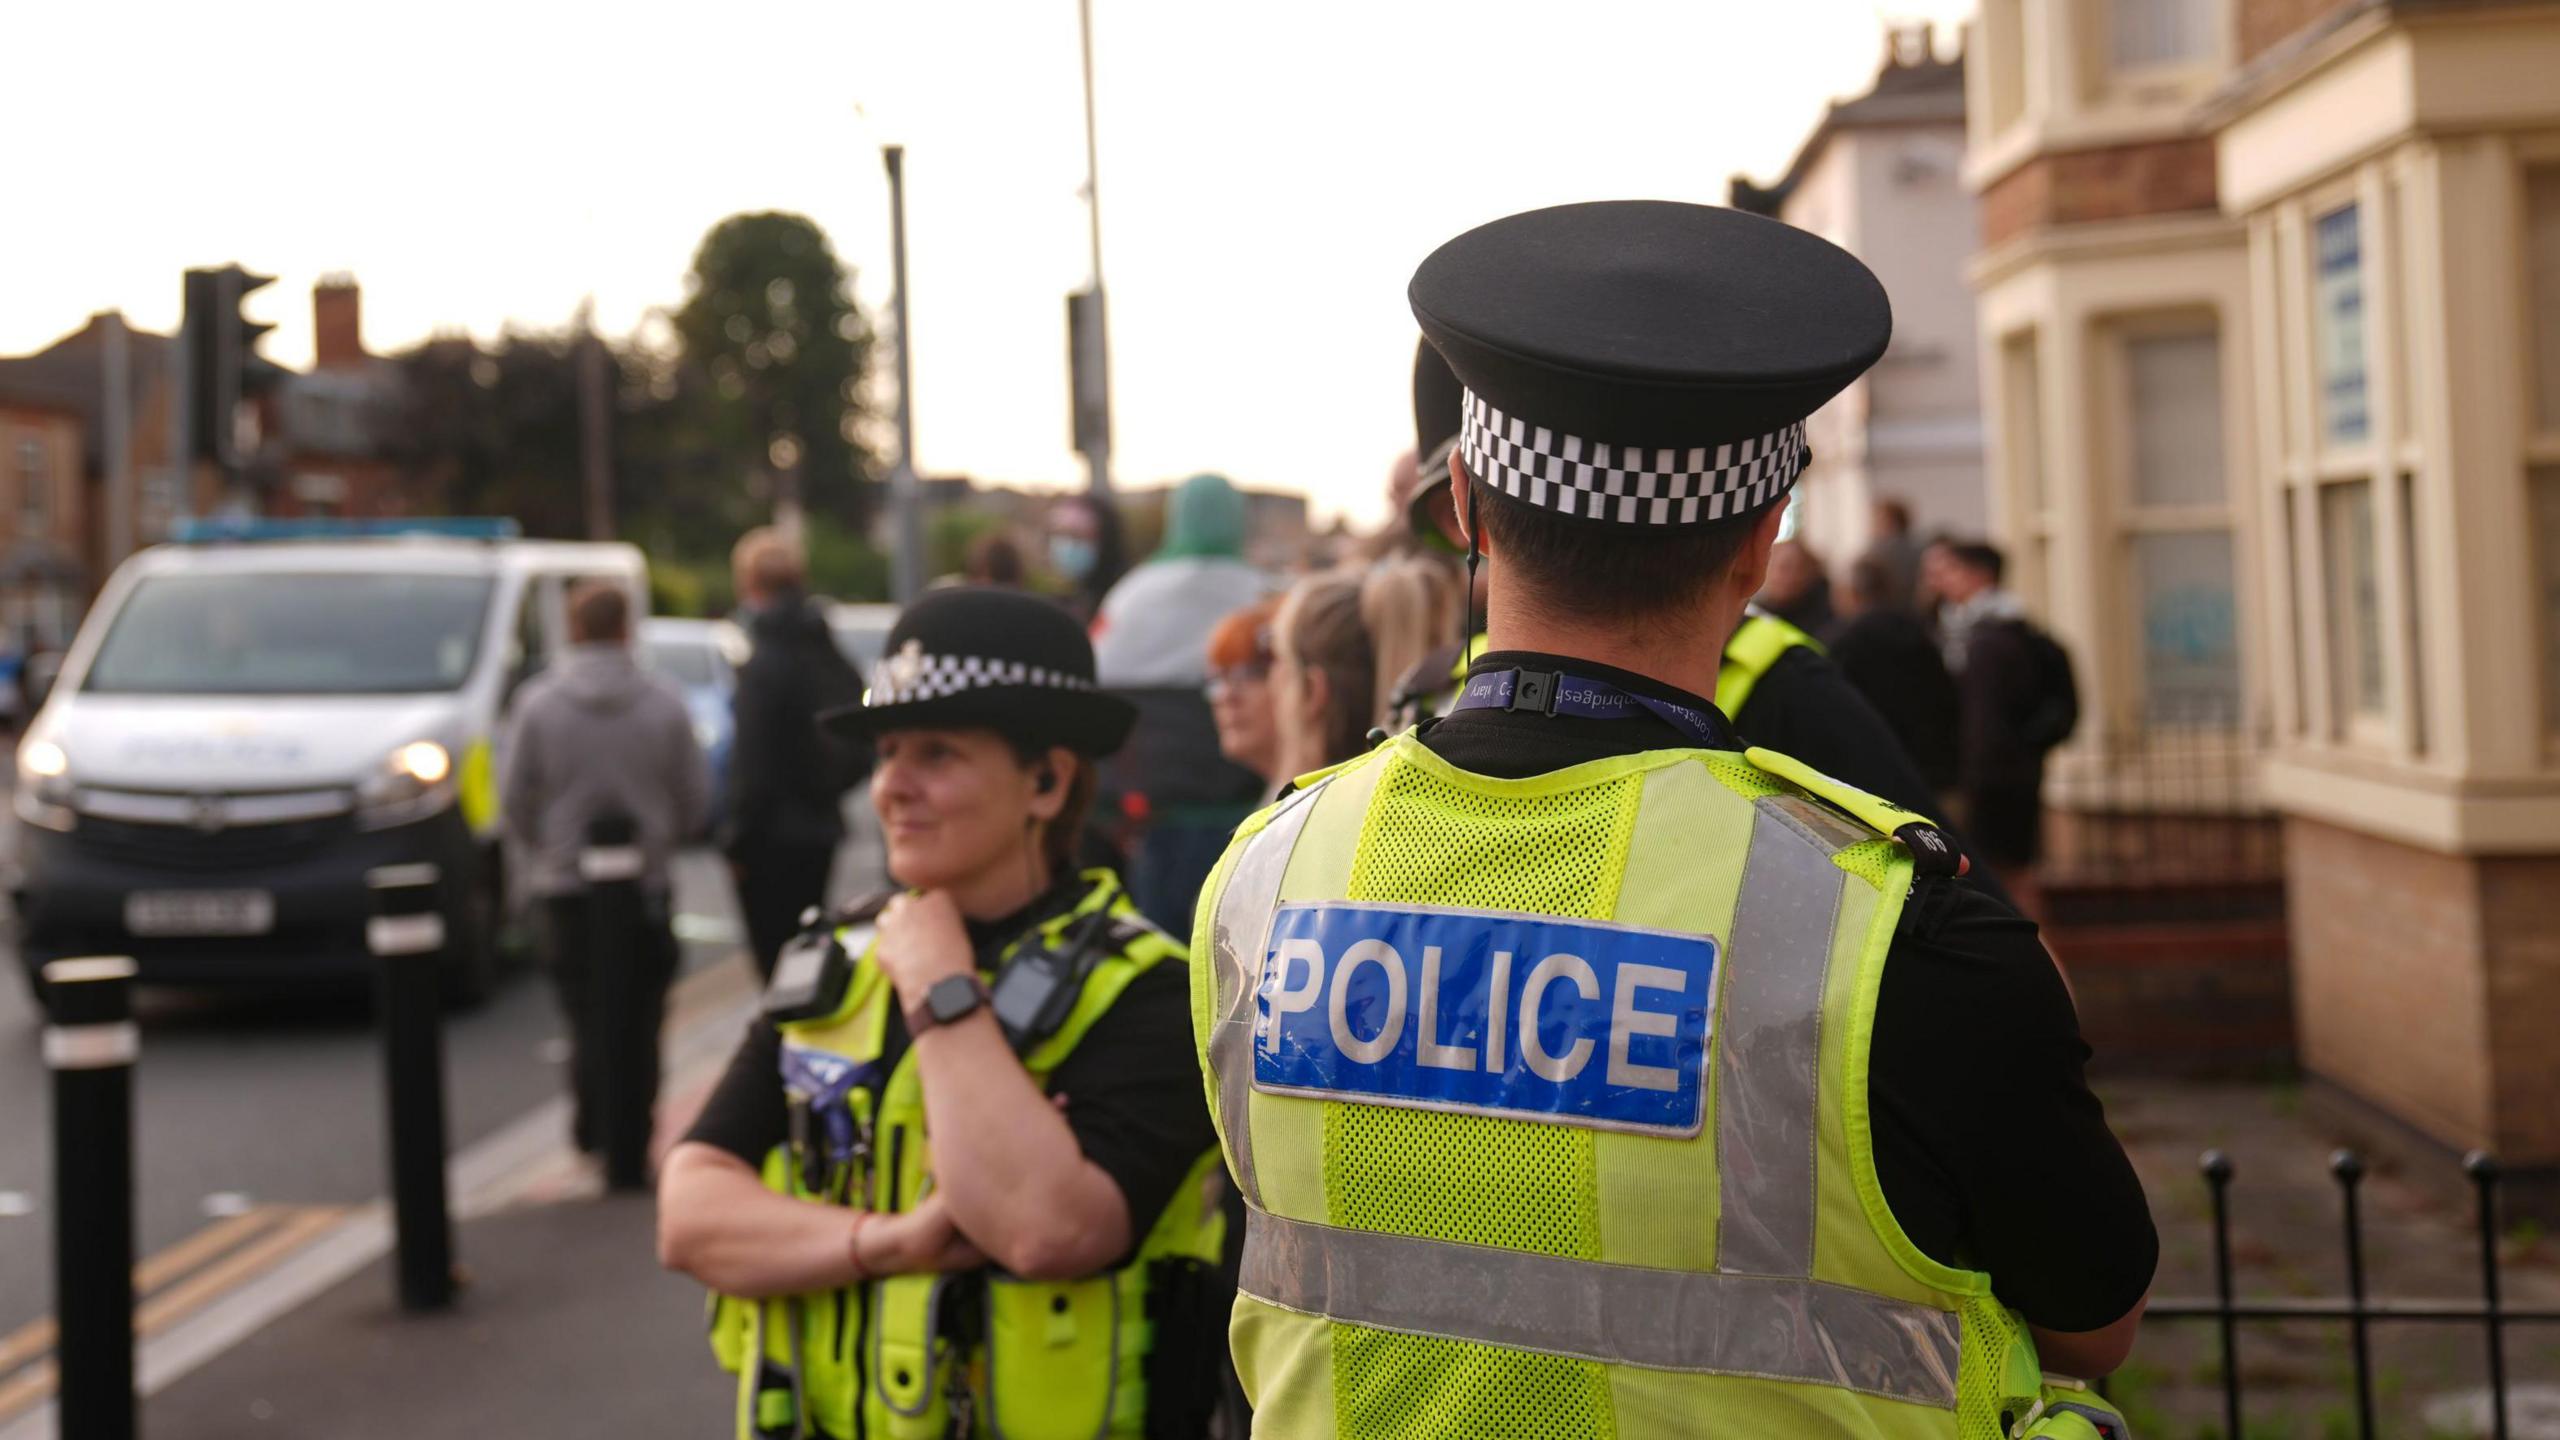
[168,1287]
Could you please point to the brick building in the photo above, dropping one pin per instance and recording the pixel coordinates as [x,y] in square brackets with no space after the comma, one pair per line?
[1879,176]
[125,484]
[2270,314]
[43,568]
[330,427]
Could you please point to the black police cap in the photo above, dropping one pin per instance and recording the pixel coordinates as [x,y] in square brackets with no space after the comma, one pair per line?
[1643,361]
[982,656]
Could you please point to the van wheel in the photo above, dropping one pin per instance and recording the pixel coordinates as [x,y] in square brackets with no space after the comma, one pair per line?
[471,955]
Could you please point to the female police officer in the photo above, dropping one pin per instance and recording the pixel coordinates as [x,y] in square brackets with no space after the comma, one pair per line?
[960,1177]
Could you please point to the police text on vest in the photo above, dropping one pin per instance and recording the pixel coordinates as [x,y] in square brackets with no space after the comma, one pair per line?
[1573,1021]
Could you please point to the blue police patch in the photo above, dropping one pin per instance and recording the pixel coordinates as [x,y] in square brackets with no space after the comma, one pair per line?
[1576,1022]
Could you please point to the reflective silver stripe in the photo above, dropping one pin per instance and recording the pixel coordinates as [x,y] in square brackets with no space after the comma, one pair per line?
[404,934]
[610,864]
[91,1047]
[1769,1044]
[1241,939]
[1696,1321]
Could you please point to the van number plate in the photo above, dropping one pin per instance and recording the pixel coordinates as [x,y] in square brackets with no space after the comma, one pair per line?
[173,914]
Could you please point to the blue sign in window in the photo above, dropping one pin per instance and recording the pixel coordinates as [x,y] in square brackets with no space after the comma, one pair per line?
[1573,1021]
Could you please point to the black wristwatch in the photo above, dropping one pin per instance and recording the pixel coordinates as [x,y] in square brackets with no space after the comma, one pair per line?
[951,998]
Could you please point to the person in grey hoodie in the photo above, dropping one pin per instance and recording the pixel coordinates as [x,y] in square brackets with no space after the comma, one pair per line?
[596,735]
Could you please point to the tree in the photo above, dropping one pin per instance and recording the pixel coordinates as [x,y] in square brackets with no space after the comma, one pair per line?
[493,432]
[769,326]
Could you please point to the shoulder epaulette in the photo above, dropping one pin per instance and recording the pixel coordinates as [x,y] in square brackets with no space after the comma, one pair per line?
[1932,853]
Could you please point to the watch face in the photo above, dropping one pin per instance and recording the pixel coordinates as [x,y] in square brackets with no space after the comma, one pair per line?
[952,998]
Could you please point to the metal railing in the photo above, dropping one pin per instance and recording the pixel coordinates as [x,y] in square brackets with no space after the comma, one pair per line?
[2357,1310]
[2163,808]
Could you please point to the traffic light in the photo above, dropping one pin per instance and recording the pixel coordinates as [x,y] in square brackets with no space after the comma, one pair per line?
[224,369]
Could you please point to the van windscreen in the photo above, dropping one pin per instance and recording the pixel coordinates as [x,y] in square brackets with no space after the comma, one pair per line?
[293,634]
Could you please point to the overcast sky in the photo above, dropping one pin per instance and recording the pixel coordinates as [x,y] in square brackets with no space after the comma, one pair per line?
[1270,175]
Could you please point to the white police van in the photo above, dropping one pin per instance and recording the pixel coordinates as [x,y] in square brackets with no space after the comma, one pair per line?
[255,716]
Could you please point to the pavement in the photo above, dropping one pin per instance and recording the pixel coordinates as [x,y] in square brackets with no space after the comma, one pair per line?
[568,1329]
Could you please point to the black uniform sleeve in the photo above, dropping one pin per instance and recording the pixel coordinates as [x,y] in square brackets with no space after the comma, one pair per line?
[746,1114]
[1133,1095]
[1806,709]
[1991,1150]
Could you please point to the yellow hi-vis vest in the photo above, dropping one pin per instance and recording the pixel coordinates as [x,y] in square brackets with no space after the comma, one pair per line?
[1050,1360]
[1548,1101]
[1759,642]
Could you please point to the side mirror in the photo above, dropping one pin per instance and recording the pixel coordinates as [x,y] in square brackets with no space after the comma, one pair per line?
[35,682]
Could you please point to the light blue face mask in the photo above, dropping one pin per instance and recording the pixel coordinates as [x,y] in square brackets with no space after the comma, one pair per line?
[1071,556]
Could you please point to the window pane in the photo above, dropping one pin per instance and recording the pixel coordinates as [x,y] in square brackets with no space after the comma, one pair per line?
[2176,418]
[2542,197]
[2546,536]
[2338,316]
[2190,641]
[2145,33]
[2354,599]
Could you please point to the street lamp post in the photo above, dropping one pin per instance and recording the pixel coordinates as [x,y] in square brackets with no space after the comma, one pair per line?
[1090,357]
[906,560]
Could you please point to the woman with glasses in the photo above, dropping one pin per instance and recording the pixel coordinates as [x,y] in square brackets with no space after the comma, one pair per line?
[1239,690]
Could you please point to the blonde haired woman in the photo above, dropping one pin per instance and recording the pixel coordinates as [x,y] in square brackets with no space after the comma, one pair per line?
[1343,639]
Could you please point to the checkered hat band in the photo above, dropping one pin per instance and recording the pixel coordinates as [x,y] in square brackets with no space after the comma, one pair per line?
[904,679]
[1629,484]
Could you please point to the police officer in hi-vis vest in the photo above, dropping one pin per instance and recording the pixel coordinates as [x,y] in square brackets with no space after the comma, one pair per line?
[960,1178]
[1584,1073]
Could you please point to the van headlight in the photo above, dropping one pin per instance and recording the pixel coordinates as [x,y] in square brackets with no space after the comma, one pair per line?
[44,785]
[415,781]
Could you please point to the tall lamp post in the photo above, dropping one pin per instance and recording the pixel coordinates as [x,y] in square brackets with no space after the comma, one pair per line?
[1088,330]
[906,560]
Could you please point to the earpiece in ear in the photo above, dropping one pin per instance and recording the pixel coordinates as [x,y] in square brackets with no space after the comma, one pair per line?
[1047,781]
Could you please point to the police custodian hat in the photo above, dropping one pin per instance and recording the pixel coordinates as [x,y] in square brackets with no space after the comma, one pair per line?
[982,656]
[1645,362]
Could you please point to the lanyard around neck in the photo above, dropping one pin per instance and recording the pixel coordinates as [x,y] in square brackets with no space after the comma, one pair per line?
[1554,692]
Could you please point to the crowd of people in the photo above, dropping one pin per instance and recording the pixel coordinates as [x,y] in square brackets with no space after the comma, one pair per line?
[1302,672]
[992,1158]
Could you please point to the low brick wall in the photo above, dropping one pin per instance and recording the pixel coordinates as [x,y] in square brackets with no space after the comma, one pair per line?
[2184,980]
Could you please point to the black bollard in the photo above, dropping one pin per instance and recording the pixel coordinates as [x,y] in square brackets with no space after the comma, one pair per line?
[89,1044]
[407,938]
[619,1050]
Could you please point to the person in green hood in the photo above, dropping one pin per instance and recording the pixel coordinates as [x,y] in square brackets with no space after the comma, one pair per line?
[1151,646]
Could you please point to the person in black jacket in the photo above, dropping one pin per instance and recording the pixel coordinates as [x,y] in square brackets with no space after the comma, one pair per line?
[787,781]
[2002,690]
[1891,656]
